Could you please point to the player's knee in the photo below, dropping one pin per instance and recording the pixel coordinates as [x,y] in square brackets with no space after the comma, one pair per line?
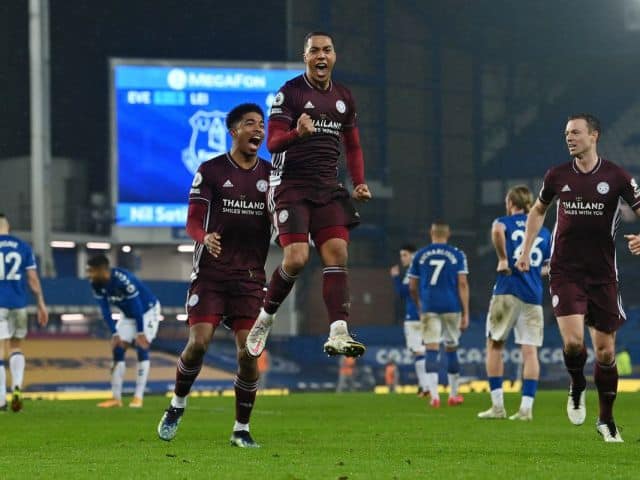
[529,353]
[197,347]
[295,260]
[573,347]
[118,354]
[495,344]
[143,354]
[604,354]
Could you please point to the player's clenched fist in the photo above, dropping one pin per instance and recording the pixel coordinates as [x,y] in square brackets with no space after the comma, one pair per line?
[522,263]
[305,125]
[361,192]
[212,243]
[634,243]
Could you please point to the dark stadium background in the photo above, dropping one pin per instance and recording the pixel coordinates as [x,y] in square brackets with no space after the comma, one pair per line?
[458,100]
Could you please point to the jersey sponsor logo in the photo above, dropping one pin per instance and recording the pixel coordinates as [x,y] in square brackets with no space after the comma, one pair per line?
[262,185]
[328,126]
[309,104]
[193,300]
[227,184]
[340,106]
[242,207]
[603,187]
[197,180]
[578,207]
[278,100]
[566,188]
[283,216]
[194,191]
[208,138]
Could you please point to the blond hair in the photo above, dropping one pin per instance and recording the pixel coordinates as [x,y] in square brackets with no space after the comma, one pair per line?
[520,197]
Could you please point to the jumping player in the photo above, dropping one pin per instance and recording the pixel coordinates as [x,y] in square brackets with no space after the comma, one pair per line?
[310,117]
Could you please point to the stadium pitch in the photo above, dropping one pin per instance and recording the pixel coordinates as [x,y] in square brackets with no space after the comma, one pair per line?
[319,436]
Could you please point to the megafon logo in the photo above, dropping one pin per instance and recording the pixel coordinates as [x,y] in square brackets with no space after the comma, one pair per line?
[208,138]
[177,78]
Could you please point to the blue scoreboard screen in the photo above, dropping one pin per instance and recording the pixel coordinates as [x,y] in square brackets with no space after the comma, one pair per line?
[166,120]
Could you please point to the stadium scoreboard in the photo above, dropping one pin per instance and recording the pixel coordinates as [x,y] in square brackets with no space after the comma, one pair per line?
[166,119]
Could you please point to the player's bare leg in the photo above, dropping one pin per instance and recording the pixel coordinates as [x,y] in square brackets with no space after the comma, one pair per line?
[575,357]
[530,375]
[187,370]
[296,255]
[495,372]
[246,387]
[606,380]
[335,292]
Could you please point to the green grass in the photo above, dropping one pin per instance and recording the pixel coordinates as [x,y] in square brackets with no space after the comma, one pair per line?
[318,436]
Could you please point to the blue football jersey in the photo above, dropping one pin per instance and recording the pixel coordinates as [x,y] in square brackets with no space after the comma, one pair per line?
[437,267]
[401,285]
[125,291]
[16,257]
[527,286]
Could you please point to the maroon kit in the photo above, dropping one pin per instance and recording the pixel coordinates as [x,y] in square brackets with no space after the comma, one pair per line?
[583,260]
[232,284]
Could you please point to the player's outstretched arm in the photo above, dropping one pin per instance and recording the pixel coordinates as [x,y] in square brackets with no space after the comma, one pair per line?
[500,245]
[535,220]
[36,289]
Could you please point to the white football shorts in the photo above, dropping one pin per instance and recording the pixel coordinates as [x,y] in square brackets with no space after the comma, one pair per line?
[508,312]
[413,336]
[13,323]
[126,327]
[441,327]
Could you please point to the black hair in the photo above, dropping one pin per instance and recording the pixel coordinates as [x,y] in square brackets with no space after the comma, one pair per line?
[237,112]
[593,123]
[409,247]
[316,33]
[98,261]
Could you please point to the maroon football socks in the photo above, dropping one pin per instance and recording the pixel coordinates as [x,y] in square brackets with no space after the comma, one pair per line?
[245,398]
[575,366]
[279,287]
[186,374]
[606,380]
[335,291]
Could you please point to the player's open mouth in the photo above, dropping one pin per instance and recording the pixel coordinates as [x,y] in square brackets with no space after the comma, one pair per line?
[321,67]
[255,140]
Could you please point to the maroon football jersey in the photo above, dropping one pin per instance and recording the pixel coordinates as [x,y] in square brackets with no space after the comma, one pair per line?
[313,159]
[238,212]
[588,213]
